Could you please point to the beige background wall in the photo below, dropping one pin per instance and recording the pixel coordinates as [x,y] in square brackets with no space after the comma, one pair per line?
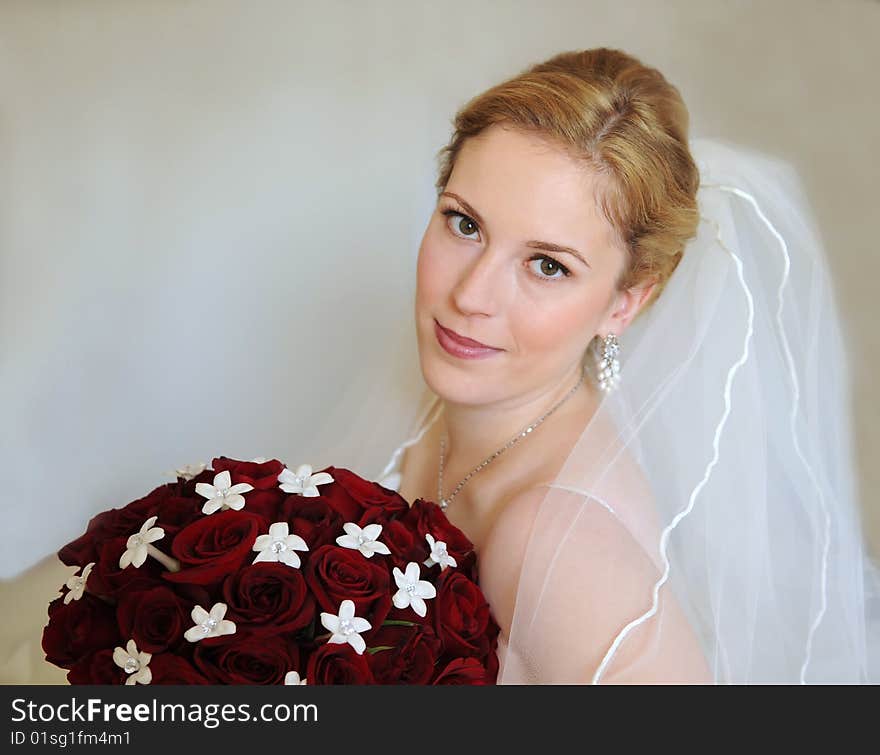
[181,173]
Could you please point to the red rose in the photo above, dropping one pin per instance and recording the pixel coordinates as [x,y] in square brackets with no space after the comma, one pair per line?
[426,517]
[262,475]
[110,581]
[215,545]
[247,659]
[174,513]
[109,524]
[312,519]
[78,628]
[266,496]
[464,671]
[335,574]
[338,664]
[96,668]
[352,495]
[168,668]
[410,655]
[155,618]
[461,616]
[268,598]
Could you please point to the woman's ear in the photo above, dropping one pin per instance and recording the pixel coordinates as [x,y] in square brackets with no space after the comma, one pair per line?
[625,307]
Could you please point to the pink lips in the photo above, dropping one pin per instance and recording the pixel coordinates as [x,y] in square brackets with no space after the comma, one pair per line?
[459,346]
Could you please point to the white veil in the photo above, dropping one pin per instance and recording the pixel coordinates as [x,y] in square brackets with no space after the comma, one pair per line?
[705,526]
[726,455]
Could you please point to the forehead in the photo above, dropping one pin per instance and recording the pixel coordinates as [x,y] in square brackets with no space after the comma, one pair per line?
[532,187]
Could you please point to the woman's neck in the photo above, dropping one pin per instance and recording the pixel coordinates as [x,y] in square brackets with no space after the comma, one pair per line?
[474,433]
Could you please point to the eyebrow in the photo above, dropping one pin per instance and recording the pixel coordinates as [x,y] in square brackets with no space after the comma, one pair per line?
[545,245]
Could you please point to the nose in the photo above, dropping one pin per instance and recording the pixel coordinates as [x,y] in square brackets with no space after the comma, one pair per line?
[480,287]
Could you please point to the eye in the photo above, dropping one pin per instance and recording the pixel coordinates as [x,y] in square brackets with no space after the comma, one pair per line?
[465,226]
[549,267]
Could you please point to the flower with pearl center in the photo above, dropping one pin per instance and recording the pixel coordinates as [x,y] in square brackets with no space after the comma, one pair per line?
[412,591]
[135,664]
[222,494]
[136,548]
[438,554]
[346,627]
[302,482]
[209,624]
[76,585]
[280,545]
[363,540]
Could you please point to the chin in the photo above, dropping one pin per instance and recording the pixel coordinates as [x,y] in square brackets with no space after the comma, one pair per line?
[456,384]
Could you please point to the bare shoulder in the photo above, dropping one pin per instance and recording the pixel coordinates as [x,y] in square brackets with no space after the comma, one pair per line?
[584,566]
[524,527]
[505,547]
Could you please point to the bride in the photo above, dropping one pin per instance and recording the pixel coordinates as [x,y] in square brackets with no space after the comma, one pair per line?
[627,385]
[637,398]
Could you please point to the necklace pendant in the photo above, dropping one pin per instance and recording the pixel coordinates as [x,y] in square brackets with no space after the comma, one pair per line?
[443,503]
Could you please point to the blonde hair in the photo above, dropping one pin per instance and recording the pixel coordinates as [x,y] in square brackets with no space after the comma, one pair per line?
[626,124]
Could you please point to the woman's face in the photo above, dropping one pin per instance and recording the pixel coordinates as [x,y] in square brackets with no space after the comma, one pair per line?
[491,269]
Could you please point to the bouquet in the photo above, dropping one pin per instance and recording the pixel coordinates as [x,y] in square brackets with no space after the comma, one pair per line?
[253,573]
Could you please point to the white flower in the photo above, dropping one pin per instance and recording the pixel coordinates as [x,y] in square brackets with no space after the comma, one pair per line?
[209,624]
[134,664]
[412,590]
[136,547]
[188,471]
[292,677]
[222,494]
[279,545]
[346,626]
[302,482]
[77,584]
[363,540]
[438,554]
[259,460]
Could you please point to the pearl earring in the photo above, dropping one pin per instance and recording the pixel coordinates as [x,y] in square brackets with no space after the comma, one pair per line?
[607,363]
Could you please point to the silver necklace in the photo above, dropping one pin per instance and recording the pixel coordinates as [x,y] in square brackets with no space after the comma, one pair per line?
[444,502]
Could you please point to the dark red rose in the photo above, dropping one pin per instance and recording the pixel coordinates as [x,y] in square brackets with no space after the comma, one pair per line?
[96,668]
[268,598]
[312,519]
[113,523]
[168,668]
[335,574]
[79,628]
[216,545]
[334,663]
[401,538]
[109,580]
[175,513]
[262,475]
[248,659]
[426,517]
[464,671]
[461,616]
[352,495]
[155,618]
[410,655]
[491,660]
[266,497]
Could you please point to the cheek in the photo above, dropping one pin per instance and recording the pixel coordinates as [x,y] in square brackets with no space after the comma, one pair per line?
[564,328]
[434,276]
